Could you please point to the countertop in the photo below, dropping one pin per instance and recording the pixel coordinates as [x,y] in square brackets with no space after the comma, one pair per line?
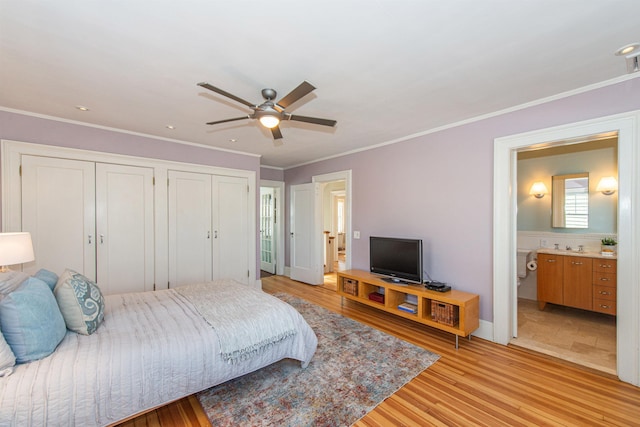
[575,253]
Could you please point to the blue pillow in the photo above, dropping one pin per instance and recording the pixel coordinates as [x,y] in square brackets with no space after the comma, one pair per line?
[48,277]
[31,321]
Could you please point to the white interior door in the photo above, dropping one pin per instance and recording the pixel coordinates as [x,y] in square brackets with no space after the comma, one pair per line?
[124,225]
[231,233]
[267,230]
[58,209]
[190,231]
[306,234]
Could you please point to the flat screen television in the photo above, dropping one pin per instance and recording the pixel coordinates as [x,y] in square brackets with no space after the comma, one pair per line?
[397,260]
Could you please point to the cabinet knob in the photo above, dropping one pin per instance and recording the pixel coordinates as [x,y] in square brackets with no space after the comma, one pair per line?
[604,279]
[576,263]
[604,306]
[551,260]
[605,293]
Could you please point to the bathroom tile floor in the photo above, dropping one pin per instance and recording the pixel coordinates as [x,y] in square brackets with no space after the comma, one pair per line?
[579,336]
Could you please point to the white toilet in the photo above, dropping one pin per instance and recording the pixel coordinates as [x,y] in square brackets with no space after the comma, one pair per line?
[524,256]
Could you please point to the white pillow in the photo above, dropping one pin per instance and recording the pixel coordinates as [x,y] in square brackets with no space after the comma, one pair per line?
[80,302]
[7,358]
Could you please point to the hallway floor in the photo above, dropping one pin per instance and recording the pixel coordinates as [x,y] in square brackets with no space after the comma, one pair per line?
[579,336]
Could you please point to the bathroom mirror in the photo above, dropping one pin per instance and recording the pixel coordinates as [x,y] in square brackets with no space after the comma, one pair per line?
[570,200]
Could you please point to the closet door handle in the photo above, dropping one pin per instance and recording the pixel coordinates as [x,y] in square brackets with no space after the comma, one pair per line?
[102,239]
[208,234]
[215,234]
[90,238]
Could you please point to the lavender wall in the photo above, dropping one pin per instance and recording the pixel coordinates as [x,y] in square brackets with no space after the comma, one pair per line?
[24,128]
[439,187]
[272,174]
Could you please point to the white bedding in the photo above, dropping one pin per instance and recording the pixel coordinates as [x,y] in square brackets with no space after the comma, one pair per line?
[153,348]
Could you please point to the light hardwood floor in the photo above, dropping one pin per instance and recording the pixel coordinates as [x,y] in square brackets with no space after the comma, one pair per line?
[481,383]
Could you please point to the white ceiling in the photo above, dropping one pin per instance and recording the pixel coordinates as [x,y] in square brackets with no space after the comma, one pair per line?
[383,69]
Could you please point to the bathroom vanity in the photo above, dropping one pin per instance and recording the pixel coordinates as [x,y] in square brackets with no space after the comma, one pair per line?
[585,280]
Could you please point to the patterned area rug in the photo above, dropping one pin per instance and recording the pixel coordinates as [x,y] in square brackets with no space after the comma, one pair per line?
[354,369]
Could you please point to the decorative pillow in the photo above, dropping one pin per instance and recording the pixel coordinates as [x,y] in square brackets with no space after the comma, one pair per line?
[7,358]
[80,302]
[48,277]
[31,321]
[10,281]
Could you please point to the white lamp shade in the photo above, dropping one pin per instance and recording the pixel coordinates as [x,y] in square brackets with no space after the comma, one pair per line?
[15,248]
[607,185]
[538,189]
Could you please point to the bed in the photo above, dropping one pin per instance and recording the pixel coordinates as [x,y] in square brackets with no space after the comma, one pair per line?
[153,348]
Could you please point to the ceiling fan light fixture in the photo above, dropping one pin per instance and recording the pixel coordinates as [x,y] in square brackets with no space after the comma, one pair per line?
[627,49]
[269,121]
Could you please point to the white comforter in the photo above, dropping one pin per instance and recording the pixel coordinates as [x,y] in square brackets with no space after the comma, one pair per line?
[153,348]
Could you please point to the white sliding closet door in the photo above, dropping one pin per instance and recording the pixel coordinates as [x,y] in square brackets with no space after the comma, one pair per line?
[190,231]
[124,225]
[231,234]
[58,209]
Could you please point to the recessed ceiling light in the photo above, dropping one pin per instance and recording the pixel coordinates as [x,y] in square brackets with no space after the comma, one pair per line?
[82,108]
[233,140]
[170,127]
[627,49]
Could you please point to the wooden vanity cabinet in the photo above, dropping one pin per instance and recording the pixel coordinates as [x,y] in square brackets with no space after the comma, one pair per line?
[577,288]
[605,282]
[577,281]
[550,279]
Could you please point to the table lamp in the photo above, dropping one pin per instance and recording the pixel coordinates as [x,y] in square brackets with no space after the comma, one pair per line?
[15,248]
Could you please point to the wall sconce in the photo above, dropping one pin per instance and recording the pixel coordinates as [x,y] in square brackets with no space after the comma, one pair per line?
[607,185]
[15,248]
[538,189]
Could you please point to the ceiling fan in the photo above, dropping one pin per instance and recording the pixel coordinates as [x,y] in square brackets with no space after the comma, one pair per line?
[271,113]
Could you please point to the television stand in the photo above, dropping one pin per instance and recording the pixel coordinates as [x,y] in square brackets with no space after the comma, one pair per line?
[454,311]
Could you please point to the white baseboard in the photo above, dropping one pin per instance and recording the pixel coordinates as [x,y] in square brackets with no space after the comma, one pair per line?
[484,331]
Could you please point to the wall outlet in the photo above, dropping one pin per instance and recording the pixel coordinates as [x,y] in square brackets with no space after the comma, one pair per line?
[543,243]
[356,234]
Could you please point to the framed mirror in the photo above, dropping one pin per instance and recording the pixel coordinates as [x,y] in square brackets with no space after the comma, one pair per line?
[570,201]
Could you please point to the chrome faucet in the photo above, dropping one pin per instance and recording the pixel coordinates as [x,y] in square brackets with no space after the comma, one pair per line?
[568,248]
[580,248]
[557,246]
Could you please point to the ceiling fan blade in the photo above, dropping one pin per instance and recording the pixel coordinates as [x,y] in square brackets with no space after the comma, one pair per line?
[314,120]
[229,120]
[275,131]
[227,94]
[303,88]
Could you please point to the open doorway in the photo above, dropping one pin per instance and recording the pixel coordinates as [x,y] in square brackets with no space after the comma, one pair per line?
[572,216]
[336,220]
[505,232]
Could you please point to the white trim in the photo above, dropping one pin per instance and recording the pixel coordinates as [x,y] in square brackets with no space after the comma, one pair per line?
[479,118]
[345,175]
[126,132]
[280,226]
[12,151]
[504,225]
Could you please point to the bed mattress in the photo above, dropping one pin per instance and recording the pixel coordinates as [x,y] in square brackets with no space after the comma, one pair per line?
[152,348]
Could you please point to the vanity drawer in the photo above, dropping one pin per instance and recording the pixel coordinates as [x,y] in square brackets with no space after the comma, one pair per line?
[605,265]
[604,306]
[604,279]
[604,293]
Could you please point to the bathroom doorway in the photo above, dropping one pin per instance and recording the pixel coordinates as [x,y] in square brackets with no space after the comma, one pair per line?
[505,233]
[584,336]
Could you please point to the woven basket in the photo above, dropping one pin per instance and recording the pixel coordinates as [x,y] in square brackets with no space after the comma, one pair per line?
[350,286]
[444,313]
